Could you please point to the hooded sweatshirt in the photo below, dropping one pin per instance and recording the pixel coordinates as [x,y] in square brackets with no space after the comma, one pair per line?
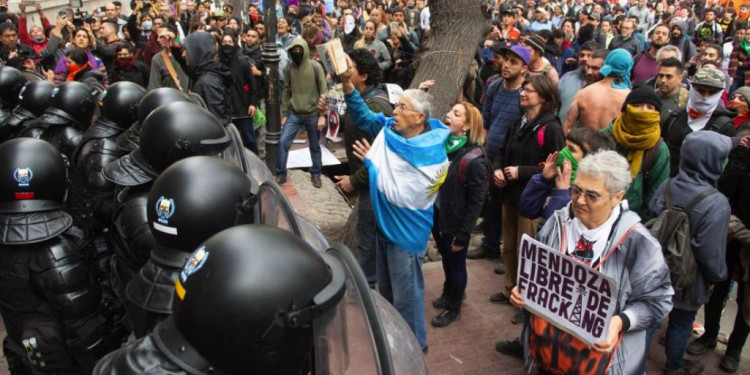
[302,92]
[210,79]
[701,163]
[683,43]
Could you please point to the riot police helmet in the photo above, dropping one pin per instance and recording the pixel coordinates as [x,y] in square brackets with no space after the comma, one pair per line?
[120,102]
[11,83]
[196,198]
[32,176]
[36,97]
[253,297]
[157,98]
[172,132]
[74,102]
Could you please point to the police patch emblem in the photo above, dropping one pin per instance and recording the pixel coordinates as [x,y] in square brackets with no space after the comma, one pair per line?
[55,91]
[194,263]
[23,176]
[164,209]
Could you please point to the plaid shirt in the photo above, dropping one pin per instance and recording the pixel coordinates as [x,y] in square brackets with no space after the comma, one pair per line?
[735,70]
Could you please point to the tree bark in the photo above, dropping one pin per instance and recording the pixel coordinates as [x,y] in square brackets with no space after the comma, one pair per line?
[455,28]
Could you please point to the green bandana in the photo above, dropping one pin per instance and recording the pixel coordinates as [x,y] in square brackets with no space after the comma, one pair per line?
[566,155]
[454,143]
[745,45]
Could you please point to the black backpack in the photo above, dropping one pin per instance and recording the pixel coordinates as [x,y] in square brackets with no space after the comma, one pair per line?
[672,229]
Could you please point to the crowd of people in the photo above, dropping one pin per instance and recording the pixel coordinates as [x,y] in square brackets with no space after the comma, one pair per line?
[583,124]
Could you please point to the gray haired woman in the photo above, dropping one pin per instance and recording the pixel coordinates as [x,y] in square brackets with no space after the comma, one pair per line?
[598,230]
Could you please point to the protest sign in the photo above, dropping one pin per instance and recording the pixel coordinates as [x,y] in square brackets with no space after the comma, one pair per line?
[335,107]
[568,294]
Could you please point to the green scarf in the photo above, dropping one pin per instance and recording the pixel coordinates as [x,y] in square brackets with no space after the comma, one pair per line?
[566,155]
[745,45]
[454,143]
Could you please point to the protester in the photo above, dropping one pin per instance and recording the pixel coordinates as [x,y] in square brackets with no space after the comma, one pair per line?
[530,140]
[669,89]
[458,205]
[209,79]
[244,92]
[82,40]
[126,68]
[702,156]
[590,230]
[637,136]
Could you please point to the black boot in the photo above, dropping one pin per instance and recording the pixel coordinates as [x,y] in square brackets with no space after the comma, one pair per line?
[445,318]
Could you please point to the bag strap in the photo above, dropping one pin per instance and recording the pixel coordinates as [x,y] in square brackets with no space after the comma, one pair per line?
[668,194]
[170,68]
[540,137]
[698,199]
[649,159]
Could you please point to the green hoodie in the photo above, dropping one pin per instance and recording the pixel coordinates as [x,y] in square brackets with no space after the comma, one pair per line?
[302,92]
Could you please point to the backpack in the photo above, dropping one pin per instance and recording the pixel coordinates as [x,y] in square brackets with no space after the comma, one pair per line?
[672,229]
[466,159]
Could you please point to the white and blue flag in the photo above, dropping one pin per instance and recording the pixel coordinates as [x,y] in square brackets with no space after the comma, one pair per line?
[405,175]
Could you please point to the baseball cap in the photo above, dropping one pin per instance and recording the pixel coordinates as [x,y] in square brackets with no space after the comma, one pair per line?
[520,51]
[500,46]
[709,77]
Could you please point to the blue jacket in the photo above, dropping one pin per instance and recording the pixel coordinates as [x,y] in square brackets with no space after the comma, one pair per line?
[499,112]
[540,199]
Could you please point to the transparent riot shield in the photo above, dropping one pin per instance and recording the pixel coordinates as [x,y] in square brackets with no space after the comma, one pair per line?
[235,153]
[275,210]
[367,335]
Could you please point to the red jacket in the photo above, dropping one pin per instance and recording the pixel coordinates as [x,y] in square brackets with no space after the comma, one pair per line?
[23,34]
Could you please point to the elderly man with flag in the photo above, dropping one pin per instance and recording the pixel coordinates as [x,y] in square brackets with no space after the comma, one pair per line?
[406,165]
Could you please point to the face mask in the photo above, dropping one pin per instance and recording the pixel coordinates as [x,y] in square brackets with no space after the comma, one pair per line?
[296,57]
[349,24]
[125,62]
[702,105]
[147,25]
[38,40]
[226,51]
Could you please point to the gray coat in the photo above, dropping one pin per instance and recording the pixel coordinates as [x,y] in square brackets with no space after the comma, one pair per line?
[701,161]
[644,292]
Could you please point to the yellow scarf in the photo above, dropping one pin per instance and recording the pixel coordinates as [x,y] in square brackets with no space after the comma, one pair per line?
[636,130]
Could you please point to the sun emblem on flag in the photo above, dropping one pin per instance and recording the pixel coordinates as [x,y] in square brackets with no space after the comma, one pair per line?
[439,179]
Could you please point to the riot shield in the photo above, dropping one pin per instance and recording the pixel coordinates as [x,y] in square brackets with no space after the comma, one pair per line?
[235,153]
[367,335]
[274,210]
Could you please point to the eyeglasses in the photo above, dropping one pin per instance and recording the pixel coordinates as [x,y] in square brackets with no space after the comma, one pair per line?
[528,91]
[402,107]
[589,196]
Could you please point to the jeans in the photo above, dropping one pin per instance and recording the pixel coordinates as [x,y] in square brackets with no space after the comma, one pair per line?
[293,125]
[718,300]
[245,126]
[401,283]
[650,331]
[366,228]
[678,331]
[492,224]
[454,266]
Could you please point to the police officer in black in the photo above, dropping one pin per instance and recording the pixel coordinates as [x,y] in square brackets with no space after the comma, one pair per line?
[130,138]
[52,310]
[70,112]
[11,83]
[34,99]
[251,299]
[190,201]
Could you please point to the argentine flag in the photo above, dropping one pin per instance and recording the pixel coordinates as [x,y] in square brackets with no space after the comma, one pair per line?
[405,175]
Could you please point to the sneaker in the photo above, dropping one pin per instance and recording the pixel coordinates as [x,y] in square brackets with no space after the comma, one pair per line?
[500,269]
[512,348]
[281,180]
[439,303]
[730,362]
[483,252]
[500,298]
[688,368]
[445,318]
[701,345]
[316,181]
[517,317]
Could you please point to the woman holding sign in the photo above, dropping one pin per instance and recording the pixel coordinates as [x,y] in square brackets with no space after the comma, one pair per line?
[596,230]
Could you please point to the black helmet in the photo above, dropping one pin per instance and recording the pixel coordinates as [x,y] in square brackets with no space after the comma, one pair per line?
[173,132]
[234,312]
[196,198]
[11,83]
[157,98]
[36,97]
[128,140]
[73,101]
[119,103]
[32,176]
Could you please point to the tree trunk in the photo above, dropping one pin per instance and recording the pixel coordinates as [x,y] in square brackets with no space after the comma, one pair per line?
[455,28]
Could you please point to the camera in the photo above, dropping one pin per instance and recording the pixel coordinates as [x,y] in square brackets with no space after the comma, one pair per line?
[79,17]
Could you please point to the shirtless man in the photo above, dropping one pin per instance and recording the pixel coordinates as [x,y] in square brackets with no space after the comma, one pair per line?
[596,105]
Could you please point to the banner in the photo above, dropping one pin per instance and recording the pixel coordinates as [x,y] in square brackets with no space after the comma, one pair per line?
[336,107]
[568,294]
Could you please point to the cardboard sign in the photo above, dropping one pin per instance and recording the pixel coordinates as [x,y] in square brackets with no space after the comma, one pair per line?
[568,294]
